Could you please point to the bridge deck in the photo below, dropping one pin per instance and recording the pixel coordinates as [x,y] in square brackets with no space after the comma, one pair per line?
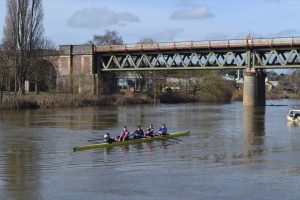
[217,44]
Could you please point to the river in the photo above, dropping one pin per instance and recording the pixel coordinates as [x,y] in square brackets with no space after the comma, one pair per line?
[231,153]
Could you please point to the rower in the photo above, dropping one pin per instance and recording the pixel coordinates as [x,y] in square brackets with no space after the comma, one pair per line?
[163,130]
[124,135]
[149,131]
[139,133]
[108,138]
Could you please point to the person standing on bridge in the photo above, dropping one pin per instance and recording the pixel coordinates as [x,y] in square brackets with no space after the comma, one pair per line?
[124,135]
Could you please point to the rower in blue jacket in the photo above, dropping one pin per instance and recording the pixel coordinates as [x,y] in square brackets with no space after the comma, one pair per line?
[139,133]
[163,130]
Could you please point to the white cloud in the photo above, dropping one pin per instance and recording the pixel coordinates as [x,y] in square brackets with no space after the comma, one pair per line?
[216,36]
[283,33]
[286,33]
[186,2]
[167,35]
[196,12]
[285,2]
[244,34]
[93,18]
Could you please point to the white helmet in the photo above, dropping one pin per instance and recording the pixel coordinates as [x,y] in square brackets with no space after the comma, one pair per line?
[106,135]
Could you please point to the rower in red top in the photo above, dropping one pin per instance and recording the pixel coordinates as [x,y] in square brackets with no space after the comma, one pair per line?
[124,135]
[163,130]
[149,131]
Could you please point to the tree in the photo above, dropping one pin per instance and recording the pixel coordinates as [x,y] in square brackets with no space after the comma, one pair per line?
[109,38]
[204,85]
[23,32]
[3,69]
[108,81]
[41,70]
[7,65]
[147,41]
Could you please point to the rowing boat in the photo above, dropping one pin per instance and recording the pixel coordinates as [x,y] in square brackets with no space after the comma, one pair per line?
[293,116]
[133,141]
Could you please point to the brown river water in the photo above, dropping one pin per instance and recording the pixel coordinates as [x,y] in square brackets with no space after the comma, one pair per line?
[231,153]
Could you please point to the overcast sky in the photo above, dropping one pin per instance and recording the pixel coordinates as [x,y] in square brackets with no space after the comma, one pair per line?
[76,21]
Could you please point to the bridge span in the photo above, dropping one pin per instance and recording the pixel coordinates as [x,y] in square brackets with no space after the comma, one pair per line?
[86,67]
[240,54]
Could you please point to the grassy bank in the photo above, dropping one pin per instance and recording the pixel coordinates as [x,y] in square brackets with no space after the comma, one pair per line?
[71,100]
[80,100]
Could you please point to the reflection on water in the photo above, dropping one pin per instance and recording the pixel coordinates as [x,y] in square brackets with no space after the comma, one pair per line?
[254,125]
[253,131]
[82,118]
[19,163]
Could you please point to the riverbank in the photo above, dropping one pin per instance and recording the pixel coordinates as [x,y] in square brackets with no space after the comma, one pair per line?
[53,100]
[71,100]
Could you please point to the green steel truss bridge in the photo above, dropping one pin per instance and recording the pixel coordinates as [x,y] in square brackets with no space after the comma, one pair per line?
[228,54]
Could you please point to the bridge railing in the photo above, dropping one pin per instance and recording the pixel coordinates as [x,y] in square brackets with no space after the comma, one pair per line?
[214,44]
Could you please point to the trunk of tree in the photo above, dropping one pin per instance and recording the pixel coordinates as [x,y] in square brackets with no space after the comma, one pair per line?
[24,32]
[16,75]
[20,93]
[1,96]
[8,84]
[1,88]
[36,87]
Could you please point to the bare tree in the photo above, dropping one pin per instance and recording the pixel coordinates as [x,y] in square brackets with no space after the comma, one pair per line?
[41,69]
[7,67]
[24,33]
[146,41]
[2,71]
[109,38]
[110,79]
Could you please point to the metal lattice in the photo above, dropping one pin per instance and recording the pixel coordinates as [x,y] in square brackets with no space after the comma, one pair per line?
[277,59]
[235,54]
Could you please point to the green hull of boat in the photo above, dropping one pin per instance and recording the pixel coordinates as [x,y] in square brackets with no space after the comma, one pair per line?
[126,142]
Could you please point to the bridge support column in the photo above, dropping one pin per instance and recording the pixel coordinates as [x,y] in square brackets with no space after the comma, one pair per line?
[254,89]
[75,70]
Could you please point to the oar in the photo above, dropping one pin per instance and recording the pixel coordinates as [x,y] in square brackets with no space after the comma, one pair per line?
[169,137]
[95,139]
[174,138]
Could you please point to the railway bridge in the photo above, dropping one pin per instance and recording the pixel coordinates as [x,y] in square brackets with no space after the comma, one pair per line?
[83,68]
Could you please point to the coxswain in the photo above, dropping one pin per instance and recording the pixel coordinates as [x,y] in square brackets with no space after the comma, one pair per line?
[163,130]
[149,131]
[138,133]
[108,138]
[124,135]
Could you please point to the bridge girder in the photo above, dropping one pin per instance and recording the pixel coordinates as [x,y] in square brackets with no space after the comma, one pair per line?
[264,58]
